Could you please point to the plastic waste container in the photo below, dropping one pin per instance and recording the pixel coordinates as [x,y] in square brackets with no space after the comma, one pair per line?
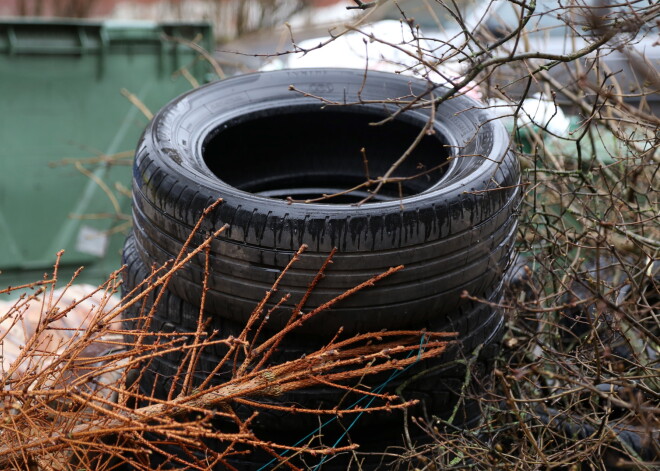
[63,97]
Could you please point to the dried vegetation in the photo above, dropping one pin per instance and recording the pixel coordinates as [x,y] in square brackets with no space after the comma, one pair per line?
[576,386]
[71,398]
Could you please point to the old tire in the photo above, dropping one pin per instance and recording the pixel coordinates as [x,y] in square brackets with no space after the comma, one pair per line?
[256,139]
[438,382]
[254,136]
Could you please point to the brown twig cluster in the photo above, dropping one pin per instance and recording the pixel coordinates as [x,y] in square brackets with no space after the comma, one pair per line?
[67,407]
[577,384]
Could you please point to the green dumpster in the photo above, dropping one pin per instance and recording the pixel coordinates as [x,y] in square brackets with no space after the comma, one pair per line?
[70,99]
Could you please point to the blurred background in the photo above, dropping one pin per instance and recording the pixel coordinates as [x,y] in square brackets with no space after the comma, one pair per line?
[231,18]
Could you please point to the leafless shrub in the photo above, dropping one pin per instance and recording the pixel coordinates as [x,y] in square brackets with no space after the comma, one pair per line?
[578,381]
[66,407]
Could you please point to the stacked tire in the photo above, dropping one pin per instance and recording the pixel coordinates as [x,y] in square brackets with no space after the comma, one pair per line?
[273,146]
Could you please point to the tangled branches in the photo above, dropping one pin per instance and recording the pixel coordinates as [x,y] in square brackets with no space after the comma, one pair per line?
[578,383]
[72,400]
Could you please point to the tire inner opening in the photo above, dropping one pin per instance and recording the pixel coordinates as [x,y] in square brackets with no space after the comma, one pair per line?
[307,154]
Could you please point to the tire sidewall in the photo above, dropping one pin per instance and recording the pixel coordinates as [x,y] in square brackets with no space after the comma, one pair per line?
[479,147]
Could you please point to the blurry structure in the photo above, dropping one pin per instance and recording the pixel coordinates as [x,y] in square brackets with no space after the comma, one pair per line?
[230,17]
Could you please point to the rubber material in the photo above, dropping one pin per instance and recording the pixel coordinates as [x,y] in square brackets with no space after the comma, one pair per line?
[437,384]
[258,139]
[453,231]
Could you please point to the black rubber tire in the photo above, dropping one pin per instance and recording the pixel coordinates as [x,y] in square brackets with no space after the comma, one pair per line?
[453,234]
[437,386]
[171,315]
